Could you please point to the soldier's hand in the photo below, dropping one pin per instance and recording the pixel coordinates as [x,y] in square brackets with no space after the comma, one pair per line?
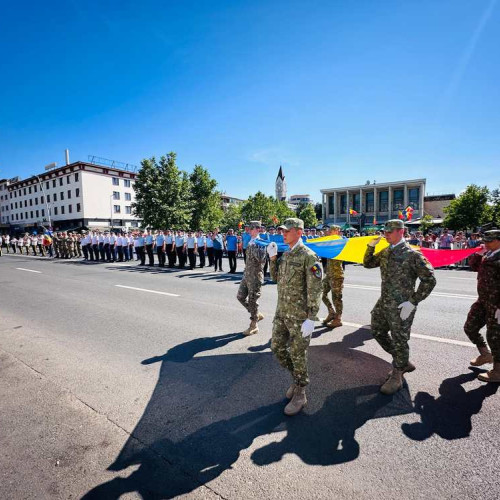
[497,316]
[374,242]
[307,328]
[482,250]
[272,249]
[406,309]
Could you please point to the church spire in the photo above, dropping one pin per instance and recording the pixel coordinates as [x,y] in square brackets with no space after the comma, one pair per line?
[280,186]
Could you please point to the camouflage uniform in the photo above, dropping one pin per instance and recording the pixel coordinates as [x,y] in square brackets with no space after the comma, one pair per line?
[298,274]
[482,312]
[249,290]
[78,244]
[56,242]
[334,282]
[400,267]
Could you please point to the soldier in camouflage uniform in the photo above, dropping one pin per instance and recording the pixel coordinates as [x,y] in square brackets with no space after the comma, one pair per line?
[486,310]
[333,282]
[298,273]
[249,290]
[400,266]
[64,245]
[56,243]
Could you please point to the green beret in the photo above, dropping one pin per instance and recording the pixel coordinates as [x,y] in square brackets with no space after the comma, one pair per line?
[492,235]
[293,223]
[392,224]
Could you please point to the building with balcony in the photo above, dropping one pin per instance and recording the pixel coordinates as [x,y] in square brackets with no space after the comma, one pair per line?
[227,200]
[377,201]
[297,199]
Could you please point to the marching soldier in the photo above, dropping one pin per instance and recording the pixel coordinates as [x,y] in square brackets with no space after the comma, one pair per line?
[298,274]
[249,290]
[486,310]
[334,283]
[400,266]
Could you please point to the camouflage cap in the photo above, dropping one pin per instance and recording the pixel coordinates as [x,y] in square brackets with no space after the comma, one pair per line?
[392,224]
[492,235]
[254,224]
[334,227]
[293,223]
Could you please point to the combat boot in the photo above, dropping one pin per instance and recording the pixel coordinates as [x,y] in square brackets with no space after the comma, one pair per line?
[483,358]
[252,329]
[298,401]
[290,391]
[393,383]
[260,317]
[492,375]
[410,367]
[331,315]
[335,323]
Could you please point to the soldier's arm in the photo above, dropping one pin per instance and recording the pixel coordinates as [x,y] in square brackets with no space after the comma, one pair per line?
[371,260]
[425,272]
[475,261]
[314,279]
[273,267]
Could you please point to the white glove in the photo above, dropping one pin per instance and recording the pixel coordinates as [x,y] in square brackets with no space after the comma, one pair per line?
[482,251]
[374,242]
[497,316]
[307,328]
[272,249]
[406,309]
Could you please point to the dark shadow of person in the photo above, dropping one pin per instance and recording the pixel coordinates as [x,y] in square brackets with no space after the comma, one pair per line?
[206,409]
[450,415]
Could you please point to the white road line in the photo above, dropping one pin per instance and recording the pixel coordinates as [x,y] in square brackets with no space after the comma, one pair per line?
[419,336]
[28,270]
[149,291]
[433,294]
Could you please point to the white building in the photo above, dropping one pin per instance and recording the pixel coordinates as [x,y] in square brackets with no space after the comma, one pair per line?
[297,199]
[75,195]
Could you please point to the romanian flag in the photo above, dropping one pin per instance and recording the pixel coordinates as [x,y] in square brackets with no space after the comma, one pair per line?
[400,215]
[352,212]
[409,212]
[240,224]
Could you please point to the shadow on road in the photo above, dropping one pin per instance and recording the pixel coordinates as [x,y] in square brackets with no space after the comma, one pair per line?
[450,415]
[206,409]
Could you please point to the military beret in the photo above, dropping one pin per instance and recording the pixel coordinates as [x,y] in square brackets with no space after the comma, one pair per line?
[254,224]
[293,223]
[392,224]
[492,235]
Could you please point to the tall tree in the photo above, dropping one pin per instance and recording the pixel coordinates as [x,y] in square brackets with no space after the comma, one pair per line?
[308,215]
[495,206]
[207,210]
[259,207]
[231,218]
[469,210]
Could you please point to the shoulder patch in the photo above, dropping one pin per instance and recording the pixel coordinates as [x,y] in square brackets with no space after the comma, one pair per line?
[317,271]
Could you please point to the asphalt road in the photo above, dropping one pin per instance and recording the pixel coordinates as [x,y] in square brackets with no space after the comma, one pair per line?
[126,382]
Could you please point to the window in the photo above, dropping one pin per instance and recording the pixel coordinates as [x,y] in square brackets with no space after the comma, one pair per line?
[55,196]
[398,199]
[78,207]
[26,215]
[47,185]
[70,209]
[31,202]
[48,198]
[16,204]
[43,212]
[25,203]
[24,190]
[128,210]
[41,199]
[77,176]
[343,204]
[69,193]
[29,190]
[116,195]
[77,192]
[414,198]
[369,202]
[126,183]
[383,201]
[68,180]
[37,213]
[53,183]
[35,187]
[60,181]
[55,210]
[17,217]
[62,210]
[62,195]
[356,198]
[116,209]
[128,197]
[116,181]
[31,214]
[36,201]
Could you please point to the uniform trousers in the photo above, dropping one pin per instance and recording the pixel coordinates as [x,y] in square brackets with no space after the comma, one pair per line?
[151,256]
[141,255]
[290,348]
[107,250]
[125,252]
[210,255]
[101,251]
[33,249]
[171,255]
[217,259]
[181,256]
[85,252]
[119,252]
[231,255]
[192,258]
[249,294]
[201,253]
[161,256]
[482,314]
[131,251]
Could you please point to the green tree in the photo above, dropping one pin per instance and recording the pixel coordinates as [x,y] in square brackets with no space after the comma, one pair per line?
[207,210]
[495,206]
[469,210]
[308,215]
[259,207]
[318,208]
[163,194]
[426,223]
[231,218]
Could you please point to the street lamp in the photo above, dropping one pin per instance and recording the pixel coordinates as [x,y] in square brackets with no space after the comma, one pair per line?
[45,199]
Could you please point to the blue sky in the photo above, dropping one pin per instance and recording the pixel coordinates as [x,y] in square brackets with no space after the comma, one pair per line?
[337,91]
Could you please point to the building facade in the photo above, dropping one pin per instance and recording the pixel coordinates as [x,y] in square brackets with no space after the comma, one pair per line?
[434,205]
[297,199]
[227,201]
[376,202]
[75,195]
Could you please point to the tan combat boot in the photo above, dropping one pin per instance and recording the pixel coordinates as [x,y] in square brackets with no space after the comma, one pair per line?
[260,317]
[393,383]
[483,358]
[410,367]
[492,375]
[335,323]
[298,401]
[331,315]
[290,391]
[252,329]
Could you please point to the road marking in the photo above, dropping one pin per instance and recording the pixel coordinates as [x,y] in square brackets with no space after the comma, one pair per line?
[28,270]
[419,336]
[149,291]
[433,294]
